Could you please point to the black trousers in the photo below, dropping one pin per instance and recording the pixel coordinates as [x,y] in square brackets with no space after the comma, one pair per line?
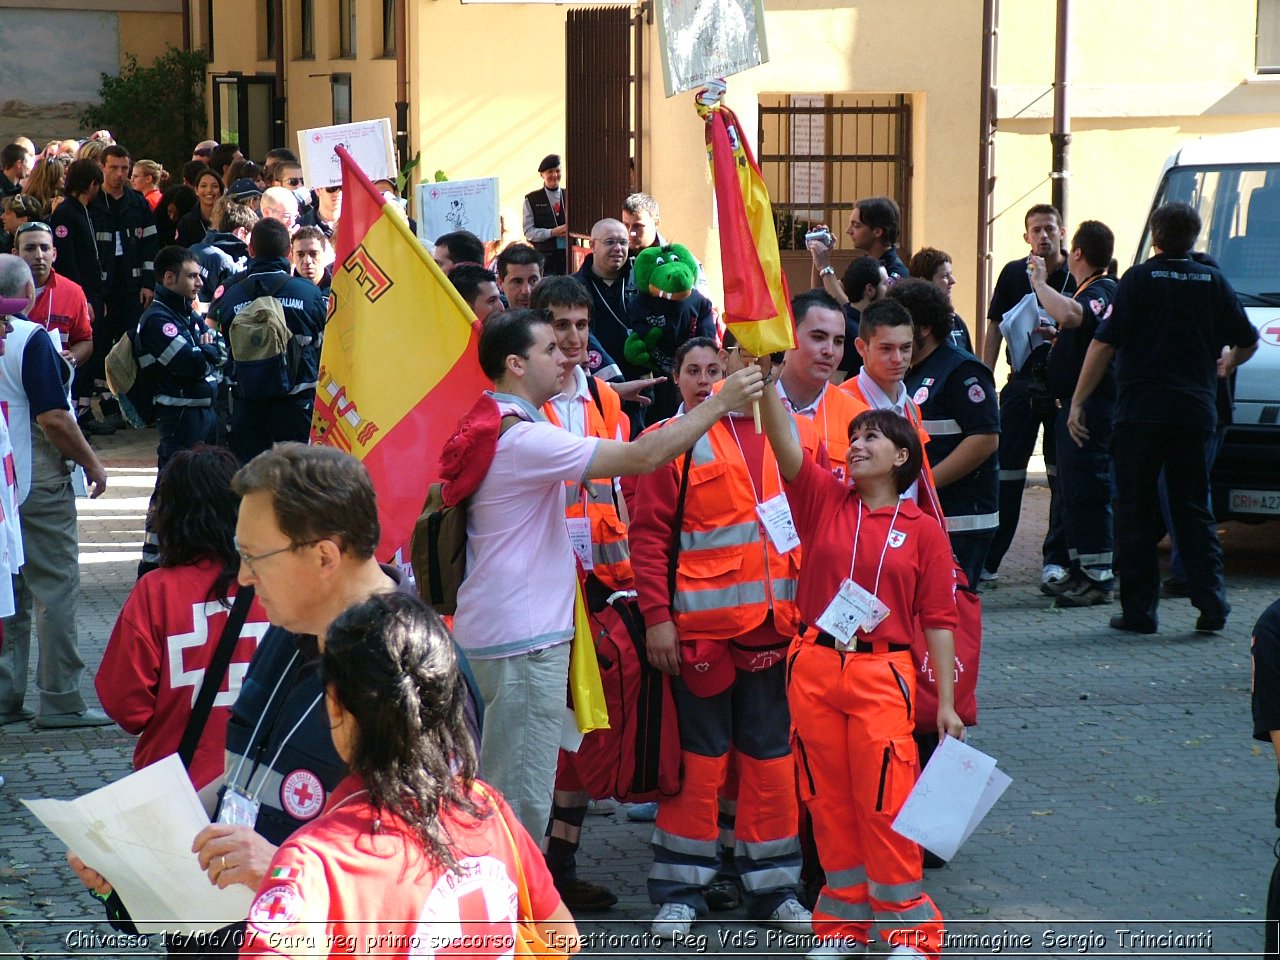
[1140,451]
[181,428]
[1026,408]
[1084,488]
[257,425]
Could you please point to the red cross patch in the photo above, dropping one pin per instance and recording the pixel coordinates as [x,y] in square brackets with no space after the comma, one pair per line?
[1271,334]
[977,394]
[279,904]
[60,231]
[920,396]
[170,330]
[302,795]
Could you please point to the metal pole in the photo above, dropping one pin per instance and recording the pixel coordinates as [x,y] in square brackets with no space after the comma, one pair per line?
[1060,139]
[986,137]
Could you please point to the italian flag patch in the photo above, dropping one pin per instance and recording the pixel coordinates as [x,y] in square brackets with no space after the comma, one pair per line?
[284,873]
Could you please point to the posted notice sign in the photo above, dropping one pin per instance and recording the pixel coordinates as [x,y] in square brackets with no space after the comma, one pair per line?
[368,142]
[459,205]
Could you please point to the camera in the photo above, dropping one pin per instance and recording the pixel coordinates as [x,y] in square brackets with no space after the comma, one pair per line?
[824,236]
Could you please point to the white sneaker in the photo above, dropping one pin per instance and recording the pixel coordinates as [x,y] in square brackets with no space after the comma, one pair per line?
[673,920]
[601,808]
[837,950]
[1053,573]
[792,917]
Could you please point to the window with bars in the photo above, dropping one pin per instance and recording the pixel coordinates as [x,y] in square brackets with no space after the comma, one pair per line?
[819,153]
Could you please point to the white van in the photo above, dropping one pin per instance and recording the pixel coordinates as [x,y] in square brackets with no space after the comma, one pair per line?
[1234,183]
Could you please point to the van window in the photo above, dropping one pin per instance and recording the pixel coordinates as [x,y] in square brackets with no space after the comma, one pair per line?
[1239,209]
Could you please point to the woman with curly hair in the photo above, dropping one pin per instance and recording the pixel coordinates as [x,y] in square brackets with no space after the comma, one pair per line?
[410,836]
[193,516]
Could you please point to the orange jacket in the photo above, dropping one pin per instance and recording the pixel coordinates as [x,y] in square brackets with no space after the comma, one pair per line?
[831,420]
[729,576]
[610,552]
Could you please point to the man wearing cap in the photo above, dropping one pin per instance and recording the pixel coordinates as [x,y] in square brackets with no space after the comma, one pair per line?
[545,223]
[245,191]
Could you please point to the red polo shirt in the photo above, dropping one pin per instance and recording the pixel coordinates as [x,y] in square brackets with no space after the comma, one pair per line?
[918,578]
[62,307]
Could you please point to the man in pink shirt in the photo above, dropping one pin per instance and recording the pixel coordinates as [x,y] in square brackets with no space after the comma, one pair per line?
[515,606]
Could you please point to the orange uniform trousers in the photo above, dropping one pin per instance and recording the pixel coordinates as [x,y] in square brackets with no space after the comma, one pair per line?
[852,718]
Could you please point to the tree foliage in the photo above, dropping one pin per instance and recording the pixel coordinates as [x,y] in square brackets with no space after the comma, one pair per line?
[157,112]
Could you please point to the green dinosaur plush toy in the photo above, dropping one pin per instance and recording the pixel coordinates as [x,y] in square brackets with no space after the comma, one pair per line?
[666,309]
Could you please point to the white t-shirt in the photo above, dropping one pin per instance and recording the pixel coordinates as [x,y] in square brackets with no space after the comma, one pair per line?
[518,593]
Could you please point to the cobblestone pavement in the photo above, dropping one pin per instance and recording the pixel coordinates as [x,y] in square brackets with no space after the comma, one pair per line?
[1139,801]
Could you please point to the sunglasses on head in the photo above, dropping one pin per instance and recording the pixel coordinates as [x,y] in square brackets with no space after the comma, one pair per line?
[33,225]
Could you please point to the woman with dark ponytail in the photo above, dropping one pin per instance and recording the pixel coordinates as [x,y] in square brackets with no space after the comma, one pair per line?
[410,839]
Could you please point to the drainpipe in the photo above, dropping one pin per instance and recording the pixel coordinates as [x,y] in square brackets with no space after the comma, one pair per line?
[402,83]
[1061,136]
[186,26]
[986,179]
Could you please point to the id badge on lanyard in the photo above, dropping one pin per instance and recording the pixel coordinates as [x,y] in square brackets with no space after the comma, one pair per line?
[580,538]
[775,517]
[855,608]
[238,809]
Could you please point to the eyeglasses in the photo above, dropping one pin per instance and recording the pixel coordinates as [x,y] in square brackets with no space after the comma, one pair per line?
[249,559]
[294,181]
[610,242]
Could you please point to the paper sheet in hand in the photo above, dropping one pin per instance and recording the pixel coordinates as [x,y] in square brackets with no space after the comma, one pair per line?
[137,833]
[953,795]
[1019,329]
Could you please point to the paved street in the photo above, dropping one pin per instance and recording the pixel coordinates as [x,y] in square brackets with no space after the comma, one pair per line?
[1139,801]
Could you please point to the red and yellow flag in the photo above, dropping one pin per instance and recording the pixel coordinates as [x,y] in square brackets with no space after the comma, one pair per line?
[399,363]
[757,304]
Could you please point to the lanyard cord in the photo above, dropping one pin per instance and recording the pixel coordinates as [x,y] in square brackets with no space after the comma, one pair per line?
[875,588]
[605,300]
[287,737]
[235,774]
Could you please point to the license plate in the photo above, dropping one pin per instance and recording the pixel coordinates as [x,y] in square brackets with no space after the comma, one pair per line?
[1256,501]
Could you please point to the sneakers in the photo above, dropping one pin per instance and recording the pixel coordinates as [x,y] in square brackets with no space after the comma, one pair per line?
[987,580]
[642,812]
[1084,592]
[1054,579]
[673,920]
[838,950]
[63,721]
[602,808]
[580,895]
[792,917]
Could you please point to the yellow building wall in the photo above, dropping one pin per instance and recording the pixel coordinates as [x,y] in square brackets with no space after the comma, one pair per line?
[147,35]
[487,88]
[1144,78]
[851,47]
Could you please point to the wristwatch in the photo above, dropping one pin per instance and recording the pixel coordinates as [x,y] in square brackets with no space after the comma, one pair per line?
[828,270]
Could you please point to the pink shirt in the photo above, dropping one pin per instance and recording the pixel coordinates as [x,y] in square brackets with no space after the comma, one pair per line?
[517,596]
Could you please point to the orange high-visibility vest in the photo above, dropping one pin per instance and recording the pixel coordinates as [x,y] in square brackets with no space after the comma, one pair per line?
[610,552]
[729,576]
[831,420]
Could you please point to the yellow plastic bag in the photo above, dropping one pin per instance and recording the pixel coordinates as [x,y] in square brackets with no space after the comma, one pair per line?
[589,706]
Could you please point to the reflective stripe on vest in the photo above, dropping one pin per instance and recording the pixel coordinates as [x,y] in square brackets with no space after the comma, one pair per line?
[941,428]
[976,521]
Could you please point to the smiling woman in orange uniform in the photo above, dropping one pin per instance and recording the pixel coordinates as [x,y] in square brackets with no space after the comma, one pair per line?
[873,565]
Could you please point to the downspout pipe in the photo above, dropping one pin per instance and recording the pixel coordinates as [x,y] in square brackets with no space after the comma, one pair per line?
[1060,139]
[986,178]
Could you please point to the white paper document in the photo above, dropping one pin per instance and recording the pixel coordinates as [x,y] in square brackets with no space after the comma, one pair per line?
[1020,329]
[954,793]
[137,833]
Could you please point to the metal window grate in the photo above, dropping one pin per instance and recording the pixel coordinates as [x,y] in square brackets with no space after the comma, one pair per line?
[602,111]
[819,153]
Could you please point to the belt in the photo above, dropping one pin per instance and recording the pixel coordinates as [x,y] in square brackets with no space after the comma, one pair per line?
[824,639]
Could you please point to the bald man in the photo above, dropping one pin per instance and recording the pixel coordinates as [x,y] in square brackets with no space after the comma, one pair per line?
[604,274]
[277,203]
